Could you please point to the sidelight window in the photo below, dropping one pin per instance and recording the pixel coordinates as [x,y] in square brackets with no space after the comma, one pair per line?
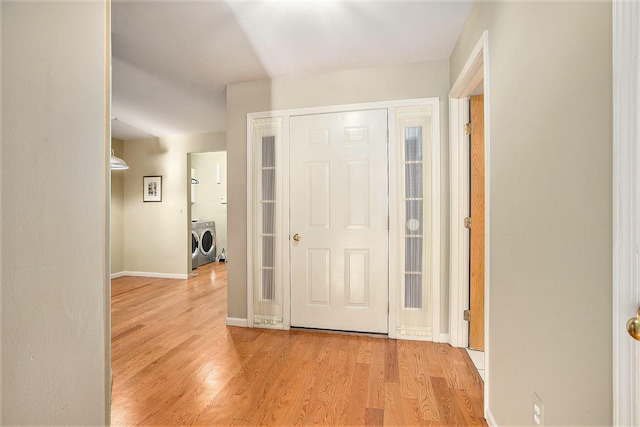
[267,290]
[414,145]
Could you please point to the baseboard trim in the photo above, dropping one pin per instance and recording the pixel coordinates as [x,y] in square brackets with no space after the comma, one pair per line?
[153,275]
[445,338]
[235,321]
[490,420]
[119,274]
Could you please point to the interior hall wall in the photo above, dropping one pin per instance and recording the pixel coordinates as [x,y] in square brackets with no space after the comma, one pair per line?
[157,235]
[117,211]
[419,80]
[550,199]
[54,222]
[208,205]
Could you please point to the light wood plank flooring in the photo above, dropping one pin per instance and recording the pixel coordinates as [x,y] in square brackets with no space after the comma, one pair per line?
[175,362]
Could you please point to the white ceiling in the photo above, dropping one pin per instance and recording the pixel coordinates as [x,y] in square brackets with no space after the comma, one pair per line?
[172,60]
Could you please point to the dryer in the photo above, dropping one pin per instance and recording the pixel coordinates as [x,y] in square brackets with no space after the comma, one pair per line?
[196,228]
[207,243]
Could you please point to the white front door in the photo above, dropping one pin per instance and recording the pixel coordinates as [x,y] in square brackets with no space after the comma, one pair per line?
[339,221]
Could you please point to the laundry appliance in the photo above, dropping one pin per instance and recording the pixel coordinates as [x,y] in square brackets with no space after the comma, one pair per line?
[207,242]
[196,229]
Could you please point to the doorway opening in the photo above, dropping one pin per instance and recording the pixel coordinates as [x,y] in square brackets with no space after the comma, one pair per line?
[207,207]
[412,306]
[473,80]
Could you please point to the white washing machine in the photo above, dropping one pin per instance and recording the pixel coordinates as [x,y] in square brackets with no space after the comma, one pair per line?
[207,243]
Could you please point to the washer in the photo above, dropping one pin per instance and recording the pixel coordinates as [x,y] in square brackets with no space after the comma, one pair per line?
[196,229]
[195,249]
[207,243]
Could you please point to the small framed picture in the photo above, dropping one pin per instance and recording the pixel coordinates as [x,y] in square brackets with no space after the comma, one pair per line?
[152,189]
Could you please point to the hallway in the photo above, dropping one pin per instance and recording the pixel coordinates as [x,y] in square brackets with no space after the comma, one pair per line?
[175,362]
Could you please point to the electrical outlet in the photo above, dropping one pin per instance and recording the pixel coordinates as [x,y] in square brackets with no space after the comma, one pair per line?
[538,410]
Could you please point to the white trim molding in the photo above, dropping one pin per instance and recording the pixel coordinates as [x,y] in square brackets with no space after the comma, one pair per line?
[154,275]
[626,209]
[459,209]
[474,73]
[236,321]
[491,421]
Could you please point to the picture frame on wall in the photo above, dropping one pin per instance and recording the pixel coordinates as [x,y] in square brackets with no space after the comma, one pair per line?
[152,189]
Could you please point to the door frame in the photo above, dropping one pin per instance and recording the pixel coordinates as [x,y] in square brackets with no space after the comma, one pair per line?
[474,73]
[626,209]
[393,171]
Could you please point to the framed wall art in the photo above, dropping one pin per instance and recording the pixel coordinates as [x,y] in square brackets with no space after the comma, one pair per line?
[152,189]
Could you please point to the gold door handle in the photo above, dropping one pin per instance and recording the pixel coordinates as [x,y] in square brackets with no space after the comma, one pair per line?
[633,326]
[296,237]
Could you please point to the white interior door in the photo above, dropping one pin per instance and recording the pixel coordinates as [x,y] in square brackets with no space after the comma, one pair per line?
[339,221]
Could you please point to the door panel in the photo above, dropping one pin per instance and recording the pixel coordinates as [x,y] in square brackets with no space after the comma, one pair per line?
[476,276]
[319,269]
[318,188]
[358,194]
[339,208]
[357,277]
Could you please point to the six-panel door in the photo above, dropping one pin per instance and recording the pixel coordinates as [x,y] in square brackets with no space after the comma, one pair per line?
[339,210]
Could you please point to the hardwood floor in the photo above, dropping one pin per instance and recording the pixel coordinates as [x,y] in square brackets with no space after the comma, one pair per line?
[175,362]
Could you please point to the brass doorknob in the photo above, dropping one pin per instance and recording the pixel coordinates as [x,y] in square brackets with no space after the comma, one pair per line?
[633,326]
[296,237]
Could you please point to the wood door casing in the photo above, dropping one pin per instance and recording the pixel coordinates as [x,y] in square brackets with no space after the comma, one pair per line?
[477,245]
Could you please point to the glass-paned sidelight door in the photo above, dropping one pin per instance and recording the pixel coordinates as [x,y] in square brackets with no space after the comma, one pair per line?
[267,187]
[414,142]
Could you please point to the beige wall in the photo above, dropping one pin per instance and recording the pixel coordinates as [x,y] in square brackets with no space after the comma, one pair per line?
[551,207]
[419,80]
[54,221]
[208,206]
[157,235]
[117,211]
